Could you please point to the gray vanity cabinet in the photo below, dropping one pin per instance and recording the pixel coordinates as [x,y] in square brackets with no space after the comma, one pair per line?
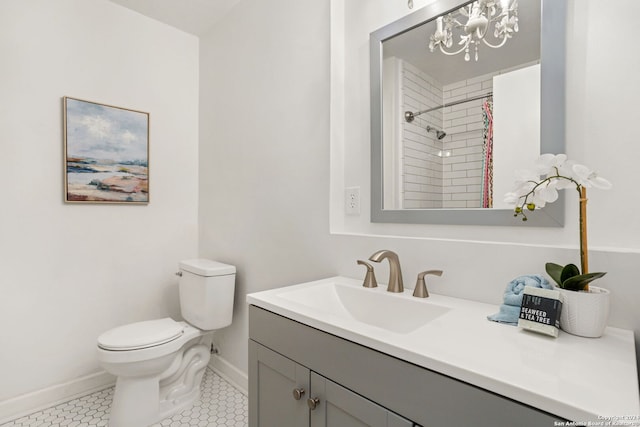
[280,390]
[359,386]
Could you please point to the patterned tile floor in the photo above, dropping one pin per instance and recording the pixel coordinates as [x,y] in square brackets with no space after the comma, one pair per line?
[220,405]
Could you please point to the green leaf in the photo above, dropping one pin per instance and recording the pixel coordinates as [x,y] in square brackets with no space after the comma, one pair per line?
[580,282]
[569,271]
[554,271]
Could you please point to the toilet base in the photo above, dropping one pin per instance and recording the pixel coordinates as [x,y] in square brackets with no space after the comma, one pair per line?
[142,401]
[182,388]
[135,402]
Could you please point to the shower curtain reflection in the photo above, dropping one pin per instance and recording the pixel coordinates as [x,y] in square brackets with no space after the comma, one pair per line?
[487,153]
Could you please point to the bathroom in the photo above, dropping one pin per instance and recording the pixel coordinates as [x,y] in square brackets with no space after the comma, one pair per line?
[253,141]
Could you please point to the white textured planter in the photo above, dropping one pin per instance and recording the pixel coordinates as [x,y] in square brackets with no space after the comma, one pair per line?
[585,313]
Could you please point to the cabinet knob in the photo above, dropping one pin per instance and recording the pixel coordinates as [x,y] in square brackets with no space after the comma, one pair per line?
[313,403]
[298,393]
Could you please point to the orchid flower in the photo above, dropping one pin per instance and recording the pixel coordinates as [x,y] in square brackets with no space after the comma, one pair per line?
[552,172]
[546,163]
[588,178]
[535,188]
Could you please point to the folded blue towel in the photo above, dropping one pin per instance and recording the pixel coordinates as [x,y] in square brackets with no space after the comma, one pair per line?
[510,309]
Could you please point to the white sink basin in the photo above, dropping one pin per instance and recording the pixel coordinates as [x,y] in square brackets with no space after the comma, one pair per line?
[400,313]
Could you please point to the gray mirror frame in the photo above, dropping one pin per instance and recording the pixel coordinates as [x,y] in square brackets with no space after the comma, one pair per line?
[552,120]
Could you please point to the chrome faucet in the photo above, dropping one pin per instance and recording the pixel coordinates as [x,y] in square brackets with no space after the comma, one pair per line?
[395,275]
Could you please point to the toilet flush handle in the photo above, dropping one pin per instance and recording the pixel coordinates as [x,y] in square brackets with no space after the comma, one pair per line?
[179,274]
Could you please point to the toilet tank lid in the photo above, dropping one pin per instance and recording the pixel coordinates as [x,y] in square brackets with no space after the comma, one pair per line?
[207,268]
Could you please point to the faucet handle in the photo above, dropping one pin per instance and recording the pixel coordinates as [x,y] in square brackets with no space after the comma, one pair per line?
[370,277]
[421,287]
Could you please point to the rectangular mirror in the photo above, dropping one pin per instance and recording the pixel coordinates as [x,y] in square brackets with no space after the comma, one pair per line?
[457,107]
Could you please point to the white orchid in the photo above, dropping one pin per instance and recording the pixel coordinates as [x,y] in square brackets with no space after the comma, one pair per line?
[545,194]
[552,172]
[534,189]
[539,197]
[547,163]
[588,178]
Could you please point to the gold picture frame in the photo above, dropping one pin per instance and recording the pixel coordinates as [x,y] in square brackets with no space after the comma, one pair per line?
[106,153]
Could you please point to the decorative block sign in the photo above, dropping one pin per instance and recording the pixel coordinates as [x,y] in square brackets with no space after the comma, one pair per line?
[540,310]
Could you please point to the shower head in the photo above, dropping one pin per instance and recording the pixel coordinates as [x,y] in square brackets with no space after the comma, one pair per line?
[439,133]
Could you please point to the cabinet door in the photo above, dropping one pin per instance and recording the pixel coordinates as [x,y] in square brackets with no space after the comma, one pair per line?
[272,381]
[338,407]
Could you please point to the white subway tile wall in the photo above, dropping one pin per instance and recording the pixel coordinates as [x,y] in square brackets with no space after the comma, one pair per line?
[443,173]
[464,126]
[421,166]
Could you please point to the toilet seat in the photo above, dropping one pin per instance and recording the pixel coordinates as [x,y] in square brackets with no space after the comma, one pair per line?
[141,335]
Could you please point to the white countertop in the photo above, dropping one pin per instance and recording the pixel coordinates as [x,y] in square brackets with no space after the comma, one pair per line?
[576,378]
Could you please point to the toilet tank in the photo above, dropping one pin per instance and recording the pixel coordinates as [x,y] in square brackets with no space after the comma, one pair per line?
[206,293]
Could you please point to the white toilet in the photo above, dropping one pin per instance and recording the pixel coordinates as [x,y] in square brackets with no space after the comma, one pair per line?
[159,364]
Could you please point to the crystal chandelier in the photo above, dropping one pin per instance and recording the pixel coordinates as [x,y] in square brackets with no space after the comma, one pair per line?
[480,16]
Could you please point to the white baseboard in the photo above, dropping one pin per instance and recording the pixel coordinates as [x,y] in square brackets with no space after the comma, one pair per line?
[29,403]
[230,373]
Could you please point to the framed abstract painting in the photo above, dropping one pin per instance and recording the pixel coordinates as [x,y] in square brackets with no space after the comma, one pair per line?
[106,153]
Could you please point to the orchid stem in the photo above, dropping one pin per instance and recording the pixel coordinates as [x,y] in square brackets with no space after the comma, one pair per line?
[584,251]
[547,180]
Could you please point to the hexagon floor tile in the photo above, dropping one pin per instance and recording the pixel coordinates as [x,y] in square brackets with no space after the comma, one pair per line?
[220,405]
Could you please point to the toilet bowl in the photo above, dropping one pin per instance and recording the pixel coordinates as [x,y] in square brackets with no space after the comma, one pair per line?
[159,364]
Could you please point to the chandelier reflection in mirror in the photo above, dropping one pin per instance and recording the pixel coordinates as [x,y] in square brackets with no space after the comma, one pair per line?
[480,16]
